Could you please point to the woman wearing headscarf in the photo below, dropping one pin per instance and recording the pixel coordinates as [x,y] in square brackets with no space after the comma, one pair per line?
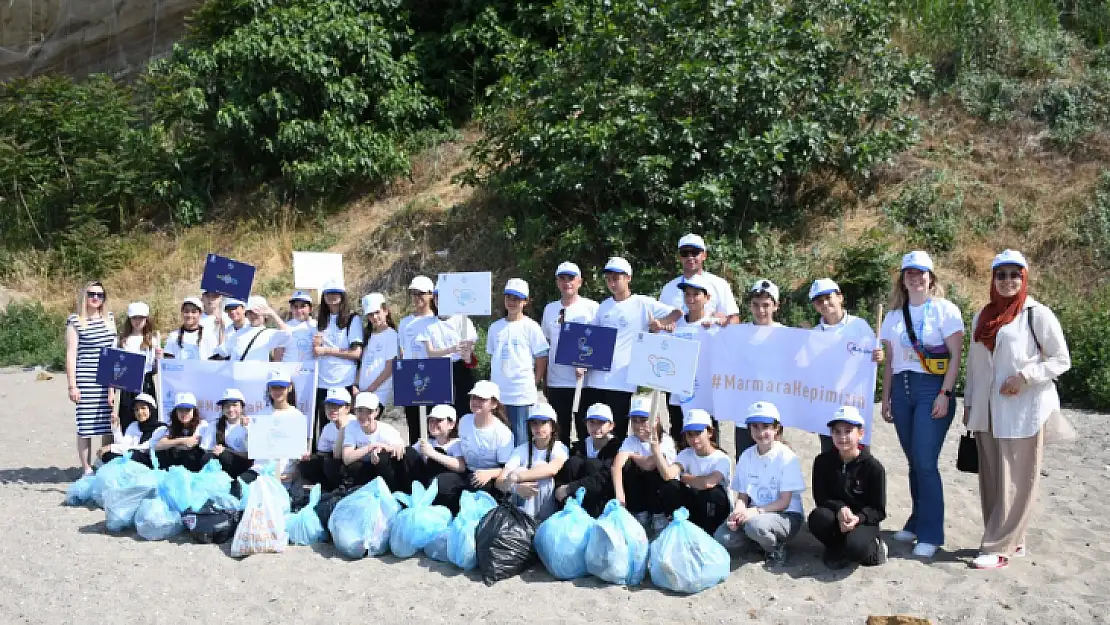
[1017,352]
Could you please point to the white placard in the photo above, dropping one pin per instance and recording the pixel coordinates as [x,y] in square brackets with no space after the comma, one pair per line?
[312,269]
[276,437]
[664,363]
[465,293]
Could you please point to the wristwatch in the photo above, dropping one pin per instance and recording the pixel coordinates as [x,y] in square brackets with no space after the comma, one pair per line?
[946,392]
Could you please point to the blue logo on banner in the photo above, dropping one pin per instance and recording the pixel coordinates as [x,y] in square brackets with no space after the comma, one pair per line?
[431,382]
[228,277]
[121,369]
[586,346]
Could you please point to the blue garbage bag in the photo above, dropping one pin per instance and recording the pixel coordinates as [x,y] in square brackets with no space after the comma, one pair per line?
[121,501]
[177,488]
[420,521]
[439,548]
[154,520]
[304,527]
[80,492]
[461,548]
[360,522]
[561,539]
[686,559]
[210,480]
[222,501]
[109,474]
[617,547]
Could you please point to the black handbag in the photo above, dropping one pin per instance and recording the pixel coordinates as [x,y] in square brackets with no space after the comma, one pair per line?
[967,458]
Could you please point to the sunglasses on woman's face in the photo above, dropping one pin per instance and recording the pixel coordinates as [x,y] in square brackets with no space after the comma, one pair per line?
[1007,275]
[95,295]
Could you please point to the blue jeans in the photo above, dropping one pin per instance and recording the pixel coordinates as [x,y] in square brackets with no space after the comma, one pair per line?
[911,403]
[518,422]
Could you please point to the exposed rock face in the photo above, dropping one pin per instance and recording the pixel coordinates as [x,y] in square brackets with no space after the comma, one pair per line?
[81,37]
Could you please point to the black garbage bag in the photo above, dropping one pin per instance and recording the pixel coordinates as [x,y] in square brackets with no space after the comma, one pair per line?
[211,524]
[503,543]
[328,502]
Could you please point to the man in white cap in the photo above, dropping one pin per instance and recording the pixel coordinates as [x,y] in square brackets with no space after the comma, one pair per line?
[561,379]
[692,252]
[253,340]
[630,314]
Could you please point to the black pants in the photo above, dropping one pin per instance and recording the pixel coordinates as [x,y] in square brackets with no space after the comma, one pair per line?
[393,471]
[323,469]
[127,403]
[562,400]
[192,459]
[858,545]
[644,490]
[675,413]
[412,419]
[141,457]
[462,382]
[451,485]
[618,401]
[596,474]
[233,464]
[708,508]
[421,470]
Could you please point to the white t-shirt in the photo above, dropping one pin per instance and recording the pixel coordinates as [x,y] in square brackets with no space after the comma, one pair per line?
[325,444]
[542,504]
[333,370]
[409,330]
[695,331]
[519,457]
[853,328]
[699,466]
[195,344]
[637,447]
[933,322]
[763,478]
[236,342]
[451,448]
[582,311]
[203,432]
[384,434]
[484,448]
[382,347]
[629,317]
[134,344]
[721,298]
[209,323]
[444,333]
[513,348]
[299,347]
[124,441]
[235,437]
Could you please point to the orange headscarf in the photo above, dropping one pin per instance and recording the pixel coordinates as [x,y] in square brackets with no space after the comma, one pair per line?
[1000,311]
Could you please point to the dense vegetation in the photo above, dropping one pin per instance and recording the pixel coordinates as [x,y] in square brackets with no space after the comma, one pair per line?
[605,130]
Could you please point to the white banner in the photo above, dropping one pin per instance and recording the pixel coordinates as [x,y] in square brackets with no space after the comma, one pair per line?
[806,374]
[465,293]
[664,363]
[312,269]
[208,379]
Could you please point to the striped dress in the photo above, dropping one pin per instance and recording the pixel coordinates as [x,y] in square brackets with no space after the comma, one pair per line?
[94,416]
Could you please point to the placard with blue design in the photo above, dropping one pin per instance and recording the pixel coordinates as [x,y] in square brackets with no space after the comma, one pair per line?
[664,363]
[467,293]
[227,277]
[422,382]
[121,369]
[586,346]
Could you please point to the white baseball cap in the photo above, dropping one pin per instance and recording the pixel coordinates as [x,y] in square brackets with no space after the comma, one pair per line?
[599,412]
[146,399]
[231,302]
[617,264]
[822,286]
[300,296]
[1009,257]
[278,377]
[766,286]
[195,301]
[184,400]
[917,260]
[256,303]
[486,390]
[138,309]
[443,411]
[692,240]
[762,412]
[542,412]
[373,303]
[332,286]
[232,394]
[696,420]
[368,400]
[422,284]
[567,269]
[640,406]
[517,287]
[847,414]
[339,396]
[696,281]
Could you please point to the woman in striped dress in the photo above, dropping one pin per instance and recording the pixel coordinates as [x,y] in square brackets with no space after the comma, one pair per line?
[86,333]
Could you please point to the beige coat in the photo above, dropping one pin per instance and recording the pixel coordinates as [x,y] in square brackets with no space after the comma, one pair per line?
[1022,415]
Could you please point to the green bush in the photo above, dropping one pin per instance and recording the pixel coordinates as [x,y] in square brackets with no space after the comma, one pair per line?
[648,120]
[29,336]
[988,95]
[1085,319]
[930,221]
[1093,226]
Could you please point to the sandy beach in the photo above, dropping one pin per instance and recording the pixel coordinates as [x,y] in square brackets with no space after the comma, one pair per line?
[61,565]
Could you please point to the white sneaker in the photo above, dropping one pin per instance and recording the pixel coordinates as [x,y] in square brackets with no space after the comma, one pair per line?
[925,550]
[990,561]
[903,536]
[881,556]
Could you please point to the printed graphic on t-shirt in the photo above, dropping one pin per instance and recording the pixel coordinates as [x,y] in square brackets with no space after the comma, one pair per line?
[766,493]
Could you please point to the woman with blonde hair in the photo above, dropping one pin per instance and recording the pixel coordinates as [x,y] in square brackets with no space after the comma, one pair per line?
[923,338]
[1017,352]
[88,330]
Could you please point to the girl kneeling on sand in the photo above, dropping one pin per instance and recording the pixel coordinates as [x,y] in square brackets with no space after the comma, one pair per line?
[229,444]
[590,464]
[181,443]
[702,471]
[143,431]
[374,449]
[529,475]
[637,480]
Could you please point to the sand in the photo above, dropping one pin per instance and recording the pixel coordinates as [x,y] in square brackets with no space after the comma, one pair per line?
[61,565]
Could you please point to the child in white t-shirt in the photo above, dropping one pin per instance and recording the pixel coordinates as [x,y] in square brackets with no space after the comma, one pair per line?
[281,400]
[518,357]
[229,434]
[530,472]
[325,466]
[382,347]
[373,449]
[763,303]
[590,465]
[443,435]
[180,443]
[697,478]
[139,436]
[409,331]
[302,328]
[193,340]
[692,326]
[638,476]
[768,483]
